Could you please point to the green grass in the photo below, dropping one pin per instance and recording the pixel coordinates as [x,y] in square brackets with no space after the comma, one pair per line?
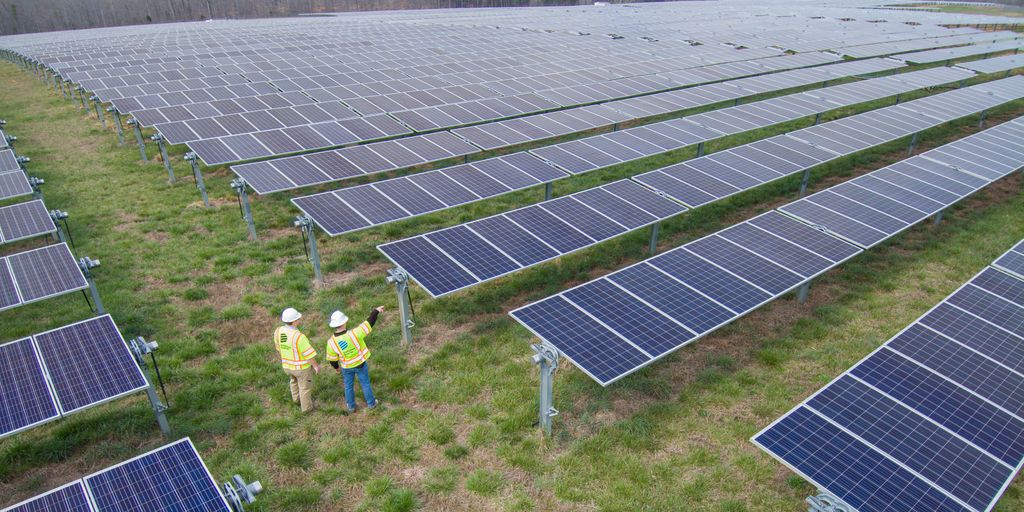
[457,431]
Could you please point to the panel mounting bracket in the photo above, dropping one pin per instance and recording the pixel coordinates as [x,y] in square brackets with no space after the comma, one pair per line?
[86,264]
[546,358]
[140,347]
[239,185]
[825,502]
[400,279]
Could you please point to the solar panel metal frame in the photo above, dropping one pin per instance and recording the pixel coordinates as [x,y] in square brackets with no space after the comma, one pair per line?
[23,506]
[29,204]
[49,390]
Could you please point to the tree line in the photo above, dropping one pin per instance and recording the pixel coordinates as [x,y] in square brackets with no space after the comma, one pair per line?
[21,16]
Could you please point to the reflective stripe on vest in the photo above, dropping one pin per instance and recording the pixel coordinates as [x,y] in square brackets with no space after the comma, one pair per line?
[351,351]
[288,345]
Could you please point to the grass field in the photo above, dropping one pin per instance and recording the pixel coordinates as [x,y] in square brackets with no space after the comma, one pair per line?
[456,431]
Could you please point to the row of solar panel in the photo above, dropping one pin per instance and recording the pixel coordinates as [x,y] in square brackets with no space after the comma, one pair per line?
[691,290]
[931,420]
[995,64]
[542,126]
[45,377]
[735,170]
[406,197]
[277,175]
[38,274]
[172,477]
[610,149]
[441,272]
[959,52]
[243,136]
[890,48]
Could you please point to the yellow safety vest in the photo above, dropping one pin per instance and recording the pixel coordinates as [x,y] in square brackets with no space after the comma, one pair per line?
[296,352]
[349,348]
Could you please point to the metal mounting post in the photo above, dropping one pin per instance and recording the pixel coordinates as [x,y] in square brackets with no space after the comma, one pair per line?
[58,216]
[400,279]
[22,160]
[134,123]
[140,347]
[239,186]
[898,97]
[34,182]
[193,160]
[615,127]
[548,191]
[824,502]
[736,102]
[239,493]
[546,358]
[11,139]
[81,96]
[824,84]
[938,217]
[913,145]
[99,111]
[86,264]
[817,118]
[801,293]
[163,154]
[305,223]
[117,124]
[981,118]
[653,246]
[60,85]
[700,150]
[804,180]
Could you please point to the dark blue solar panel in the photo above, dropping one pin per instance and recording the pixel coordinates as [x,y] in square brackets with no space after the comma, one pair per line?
[111,372]
[848,228]
[936,454]
[619,310]
[592,347]
[70,498]
[549,228]
[8,291]
[46,272]
[370,203]
[583,218]
[614,207]
[777,250]
[1012,261]
[805,236]
[997,310]
[472,252]
[755,269]
[984,377]
[172,478]
[331,213]
[24,395]
[854,210]
[513,240]
[642,198]
[434,271]
[858,475]
[711,280]
[1001,284]
[675,299]
[898,193]
[991,429]
[978,334]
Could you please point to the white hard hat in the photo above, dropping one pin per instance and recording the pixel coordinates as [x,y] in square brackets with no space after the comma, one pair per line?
[338,319]
[290,315]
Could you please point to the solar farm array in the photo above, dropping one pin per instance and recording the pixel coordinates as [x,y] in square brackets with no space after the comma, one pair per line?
[235,91]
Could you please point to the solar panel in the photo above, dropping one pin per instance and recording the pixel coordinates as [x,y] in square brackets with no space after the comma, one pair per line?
[45,272]
[68,498]
[14,184]
[25,398]
[8,161]
[172,477]
[1012,261]
[930,420]
[25,220]
[111,374]
[995,64]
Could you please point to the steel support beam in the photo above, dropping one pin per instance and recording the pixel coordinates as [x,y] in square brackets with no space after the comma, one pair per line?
[117,124]
[160,143]
[134,123]
[548,191]
[305,223]
[193,160]
[546,358]
[239,186]
[86,264]
[801,293]
[400,279]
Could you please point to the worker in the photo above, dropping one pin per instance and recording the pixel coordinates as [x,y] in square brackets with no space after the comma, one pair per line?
[348,354]
[298,358]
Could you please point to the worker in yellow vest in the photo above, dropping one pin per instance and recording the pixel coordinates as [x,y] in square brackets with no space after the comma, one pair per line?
[298,358]
[347,352]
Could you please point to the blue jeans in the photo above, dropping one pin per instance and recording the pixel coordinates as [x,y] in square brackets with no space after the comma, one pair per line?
[363,373]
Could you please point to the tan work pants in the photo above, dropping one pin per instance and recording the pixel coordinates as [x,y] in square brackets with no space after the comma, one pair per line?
[301,382]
